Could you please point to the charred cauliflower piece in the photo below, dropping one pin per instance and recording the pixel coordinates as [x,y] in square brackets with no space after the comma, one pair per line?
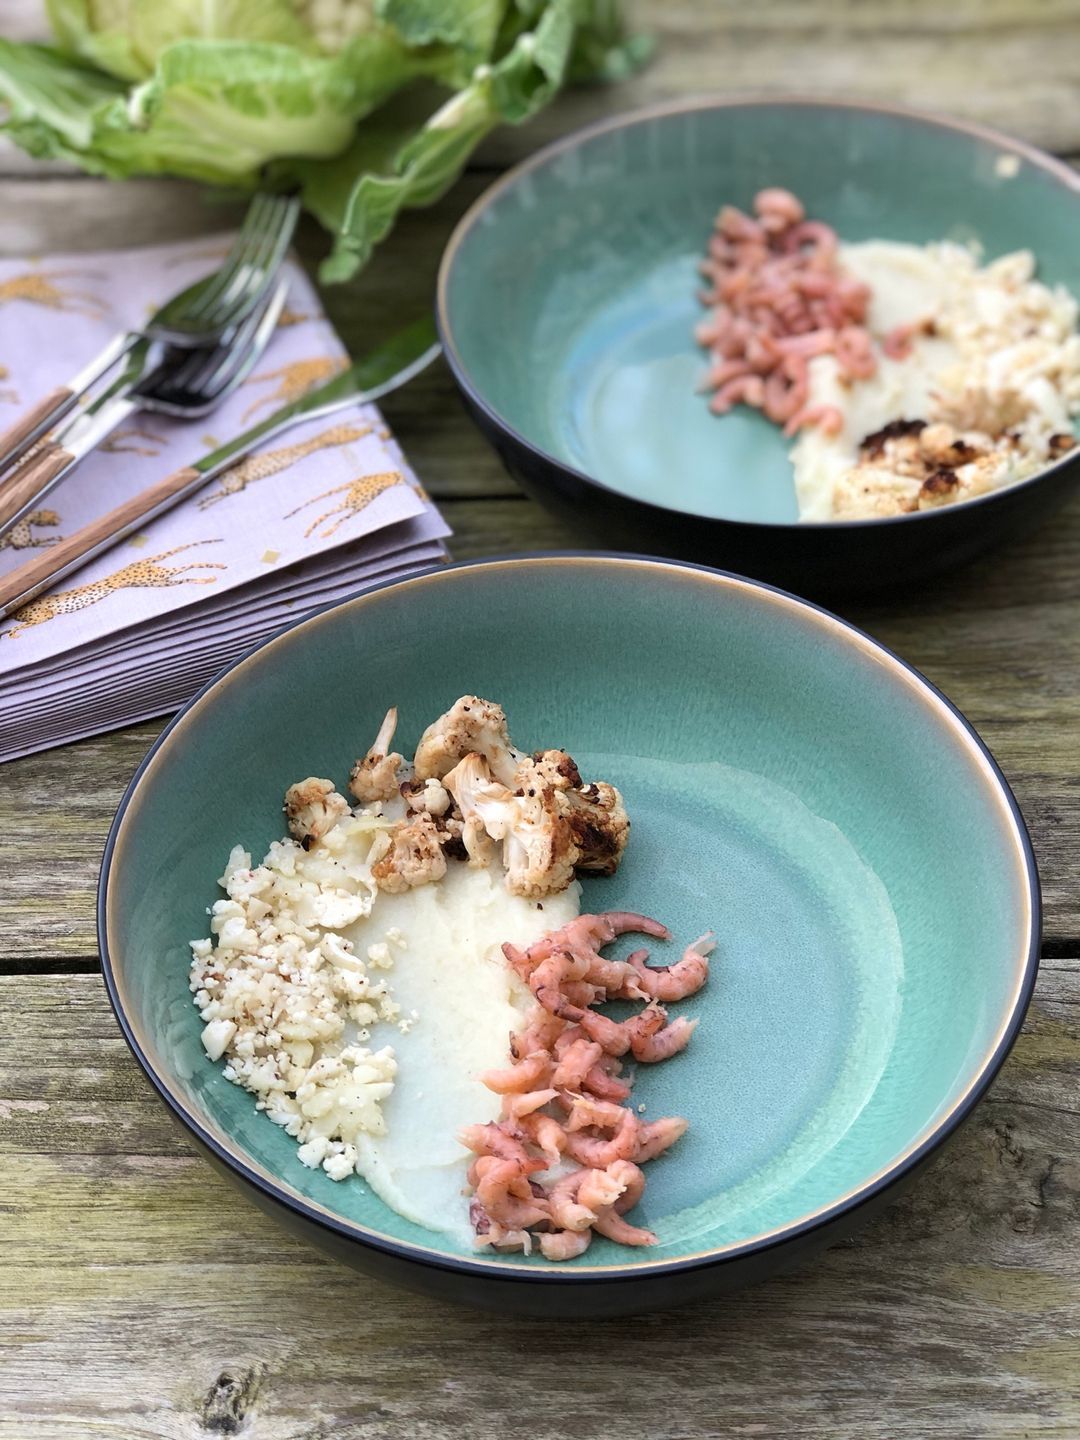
[596,813]
[413,856]
[375,775]
[470,726]
[534,823]
[313,807]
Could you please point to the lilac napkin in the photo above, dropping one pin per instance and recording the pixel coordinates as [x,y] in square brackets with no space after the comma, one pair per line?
[318,513]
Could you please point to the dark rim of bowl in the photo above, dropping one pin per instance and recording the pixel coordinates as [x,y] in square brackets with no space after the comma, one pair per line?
[1040,159]
[503,1268]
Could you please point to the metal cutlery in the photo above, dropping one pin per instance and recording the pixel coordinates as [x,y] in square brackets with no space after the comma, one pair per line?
[183,383]
[197,316]
[398,361]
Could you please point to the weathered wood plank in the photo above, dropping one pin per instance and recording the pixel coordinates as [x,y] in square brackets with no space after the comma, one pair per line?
[164,1307]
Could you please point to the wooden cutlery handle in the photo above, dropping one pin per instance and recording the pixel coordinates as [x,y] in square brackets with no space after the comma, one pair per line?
[14,438]
[35,575]
[24,482]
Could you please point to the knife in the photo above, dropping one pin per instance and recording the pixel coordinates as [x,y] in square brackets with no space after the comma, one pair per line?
[42,468]
[404,356]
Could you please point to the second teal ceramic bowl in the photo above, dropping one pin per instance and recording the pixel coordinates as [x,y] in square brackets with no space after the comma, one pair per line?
[567,305]
[792,786]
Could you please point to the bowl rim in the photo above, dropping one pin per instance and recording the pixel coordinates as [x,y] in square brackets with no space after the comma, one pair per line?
[503,1268]
[1040,159]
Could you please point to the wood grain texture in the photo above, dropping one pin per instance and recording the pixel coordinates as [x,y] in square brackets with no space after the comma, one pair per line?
[162,1305]
[141,1299]
[19,436]
[30,478]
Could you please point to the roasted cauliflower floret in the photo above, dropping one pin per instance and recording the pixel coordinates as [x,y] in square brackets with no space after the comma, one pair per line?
[313,807]
[479,798]
[601,826]
[538,848]
[596,813]
[470,726]
[375,775]
[428,796]
[412,856]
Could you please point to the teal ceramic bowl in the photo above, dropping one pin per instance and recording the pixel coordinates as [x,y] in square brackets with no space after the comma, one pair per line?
[567,303]
[792,785]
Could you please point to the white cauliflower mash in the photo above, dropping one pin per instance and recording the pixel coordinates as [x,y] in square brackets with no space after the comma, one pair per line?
[989,389]
[354,981]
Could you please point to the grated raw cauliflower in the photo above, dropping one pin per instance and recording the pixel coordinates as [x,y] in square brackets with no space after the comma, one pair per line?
[282,988]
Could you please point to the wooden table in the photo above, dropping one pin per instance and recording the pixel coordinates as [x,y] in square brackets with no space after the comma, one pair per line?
[141,1297]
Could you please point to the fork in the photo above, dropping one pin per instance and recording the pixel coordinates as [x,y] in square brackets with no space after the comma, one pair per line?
[182,383]
[392,365]
[197,316]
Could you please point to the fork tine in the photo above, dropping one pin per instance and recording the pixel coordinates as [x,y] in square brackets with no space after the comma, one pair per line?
[202,375]
[240,359]
[222,360]
[264,264]
[248,237]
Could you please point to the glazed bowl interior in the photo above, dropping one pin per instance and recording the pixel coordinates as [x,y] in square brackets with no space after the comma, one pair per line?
[792,787]
[568,293]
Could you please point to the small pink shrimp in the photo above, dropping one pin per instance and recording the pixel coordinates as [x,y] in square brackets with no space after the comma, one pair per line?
[777,208]
[657,1136]
[605,1086]
[746,390]
[719,375]
[563,1205]
[632,1180]
[814,342]
[786,389]
[519,959]
[811,234]
[541,1033]
[527,1074]
[499,1190]
[611,1224]
[685,977]
[492,1139]
[581,992]
[854,354]
[609,1035]
[667,1042]
[547,980]
[735,225]
[546,1134]
[900,340]
[645,1023]
[598,1153]
[515,1107]
[498,1237]
[575,1063]
[586,1111]
[828,419]
[565,1244]
[599,1189]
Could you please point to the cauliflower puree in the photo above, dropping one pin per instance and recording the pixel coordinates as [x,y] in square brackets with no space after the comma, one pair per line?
[993,375]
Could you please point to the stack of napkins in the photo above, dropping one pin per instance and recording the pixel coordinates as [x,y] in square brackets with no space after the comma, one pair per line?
[327,508]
